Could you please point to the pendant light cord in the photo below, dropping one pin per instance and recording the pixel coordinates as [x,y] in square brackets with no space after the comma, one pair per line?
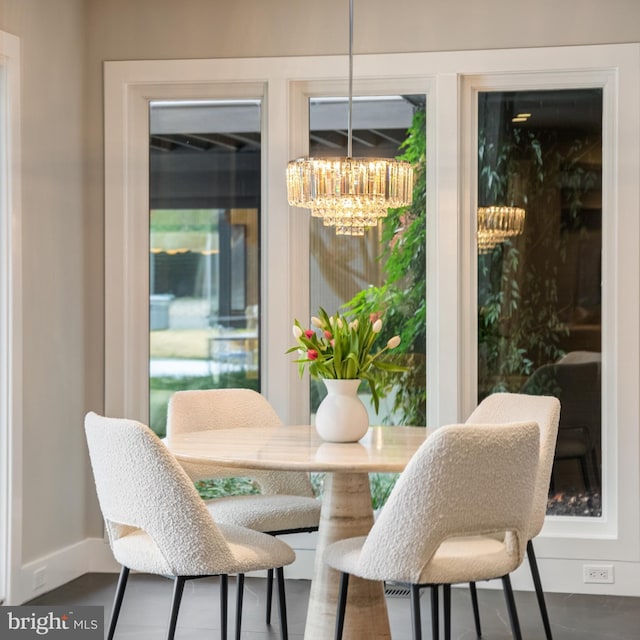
[347,193]
[349,117]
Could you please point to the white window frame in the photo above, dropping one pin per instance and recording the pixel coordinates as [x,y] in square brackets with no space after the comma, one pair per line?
[448,78]
[10,318]
[615,536]
[301,92]
[127,227]
[618,225]
[129,88]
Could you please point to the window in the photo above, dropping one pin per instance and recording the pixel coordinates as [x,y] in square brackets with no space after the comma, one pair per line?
[539,280]
[592,212]
[455,85]
[204,260]
[382,272]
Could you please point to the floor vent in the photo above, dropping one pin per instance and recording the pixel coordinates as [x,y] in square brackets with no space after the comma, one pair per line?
[392,590]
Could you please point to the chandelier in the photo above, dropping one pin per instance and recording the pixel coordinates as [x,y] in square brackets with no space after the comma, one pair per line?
[496,224]
[350,194]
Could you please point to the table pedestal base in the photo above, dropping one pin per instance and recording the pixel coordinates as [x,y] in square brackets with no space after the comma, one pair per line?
[346,513]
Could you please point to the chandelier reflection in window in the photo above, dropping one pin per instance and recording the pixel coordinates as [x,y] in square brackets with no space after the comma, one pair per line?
[496,224]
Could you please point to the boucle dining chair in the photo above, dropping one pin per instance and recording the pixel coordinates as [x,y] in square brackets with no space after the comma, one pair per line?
[286,503]
[463,484]
[157,523]
[576,381]
[545,410]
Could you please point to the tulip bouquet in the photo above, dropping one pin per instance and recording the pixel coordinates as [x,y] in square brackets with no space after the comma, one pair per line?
[341,348]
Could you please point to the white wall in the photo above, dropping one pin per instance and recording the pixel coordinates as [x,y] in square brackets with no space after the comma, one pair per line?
[64,43]
[62,374]
[125,30]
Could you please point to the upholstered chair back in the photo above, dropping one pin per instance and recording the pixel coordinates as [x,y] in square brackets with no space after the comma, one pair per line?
[144,493]
[463,481]
[204,409]
[545,410]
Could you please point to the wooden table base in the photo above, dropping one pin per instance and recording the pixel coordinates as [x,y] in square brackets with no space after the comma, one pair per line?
[346,513]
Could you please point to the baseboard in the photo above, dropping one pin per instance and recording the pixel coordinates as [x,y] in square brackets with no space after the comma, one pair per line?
[93,555]
[51,571]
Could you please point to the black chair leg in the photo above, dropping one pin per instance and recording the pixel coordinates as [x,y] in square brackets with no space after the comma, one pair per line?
[476,610]
[269,594]
[533,564]
[224,597]
[178,588]
[282,604]
[446,606]
[416,622]
[584,468]
[239,597]
[342,605]
[596,468]
[117,602]
[435,609]
[511,608]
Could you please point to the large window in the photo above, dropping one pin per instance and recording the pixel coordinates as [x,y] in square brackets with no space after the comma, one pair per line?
[204,260]
[458,281]
[382,272]
[540,222]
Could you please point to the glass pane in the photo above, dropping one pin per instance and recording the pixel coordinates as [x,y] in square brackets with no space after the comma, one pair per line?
[382,272]
[204,249]
[539,282]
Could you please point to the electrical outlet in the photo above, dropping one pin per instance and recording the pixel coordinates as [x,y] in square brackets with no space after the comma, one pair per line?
[39,577]
[598,573]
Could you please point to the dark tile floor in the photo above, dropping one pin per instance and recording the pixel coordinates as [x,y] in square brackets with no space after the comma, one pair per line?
[145,611]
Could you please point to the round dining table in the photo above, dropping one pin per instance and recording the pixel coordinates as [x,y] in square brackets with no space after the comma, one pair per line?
[346,501]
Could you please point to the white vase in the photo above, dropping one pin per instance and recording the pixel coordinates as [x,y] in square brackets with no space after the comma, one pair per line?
[341,416]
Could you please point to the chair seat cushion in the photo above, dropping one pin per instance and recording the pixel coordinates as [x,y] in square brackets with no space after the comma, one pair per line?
[139,552]
[250,551]
[457,560]
[470,559]
[344,556]
[255,551]
[266,513]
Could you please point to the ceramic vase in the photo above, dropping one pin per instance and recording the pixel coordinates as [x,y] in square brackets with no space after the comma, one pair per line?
[341,416]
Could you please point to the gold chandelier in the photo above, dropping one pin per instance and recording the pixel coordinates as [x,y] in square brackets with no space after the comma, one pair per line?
[350,194]
[496,224]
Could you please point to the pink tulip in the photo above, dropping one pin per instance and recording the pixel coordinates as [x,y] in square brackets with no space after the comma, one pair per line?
[327,335]
[309,334]
[312,354]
